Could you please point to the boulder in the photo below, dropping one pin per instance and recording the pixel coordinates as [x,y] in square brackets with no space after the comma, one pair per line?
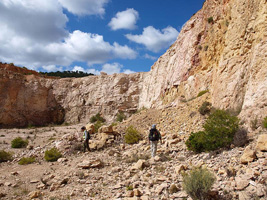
[262,143]
[141,164]
[91,128]
[105,129]
[241,183]
[91,164]
[34,194]
[248,156]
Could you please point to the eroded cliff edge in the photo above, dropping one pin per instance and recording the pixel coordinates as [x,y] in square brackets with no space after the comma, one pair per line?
[222,49]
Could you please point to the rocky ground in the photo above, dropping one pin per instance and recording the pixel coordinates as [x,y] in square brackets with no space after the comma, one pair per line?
[114,170]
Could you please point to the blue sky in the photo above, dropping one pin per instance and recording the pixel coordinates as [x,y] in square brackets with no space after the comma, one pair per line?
[90,35]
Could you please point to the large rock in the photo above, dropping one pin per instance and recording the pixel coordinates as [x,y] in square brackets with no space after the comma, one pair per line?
[90,127]
[248,156]
[140,165]
[91,164]
[262,143]
[105,129]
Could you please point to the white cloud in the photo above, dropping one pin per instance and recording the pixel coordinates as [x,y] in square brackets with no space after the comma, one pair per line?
[128,71]
[78,68]
[92,71]
[124,20]
[33,35]
[39,20]
[108,68]
[53,68]
[90,48]
[112,68]
[150,57]
[115,68]
[85,7]
[154,39]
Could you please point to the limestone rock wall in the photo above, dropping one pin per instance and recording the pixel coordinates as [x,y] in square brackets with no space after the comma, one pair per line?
[25,102]
[222,48]
[106,94]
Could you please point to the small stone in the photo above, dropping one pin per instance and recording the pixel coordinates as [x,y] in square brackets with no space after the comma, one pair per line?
[248,156]
[34,194]
[262,143]
[137,193]
[129,193]
[241,183]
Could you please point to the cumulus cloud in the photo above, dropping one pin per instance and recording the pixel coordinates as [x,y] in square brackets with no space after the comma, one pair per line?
[150,57]
[33,34]
[115,68]
[124,20]
[90,48]
[52,68]
[85,7]
[154,39]
[109,68]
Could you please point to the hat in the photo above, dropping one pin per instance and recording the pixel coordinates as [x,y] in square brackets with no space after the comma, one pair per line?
[154,126]
[83,128]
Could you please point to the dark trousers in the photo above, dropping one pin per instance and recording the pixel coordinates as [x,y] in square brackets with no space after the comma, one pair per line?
[86,145]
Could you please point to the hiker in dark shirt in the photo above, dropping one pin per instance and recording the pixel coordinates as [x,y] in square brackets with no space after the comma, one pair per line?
[86,137]
[154,137]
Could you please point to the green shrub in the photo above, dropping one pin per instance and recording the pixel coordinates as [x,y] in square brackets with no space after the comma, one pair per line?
[5,156]
[198,182]
[120,117]
[96,118]
[132,136]
[97,125]
[19,143]
[205,108]
[219,131]
[196,141]
[264,123]
[26,161]
[202,93]
[210,19]
[52,155]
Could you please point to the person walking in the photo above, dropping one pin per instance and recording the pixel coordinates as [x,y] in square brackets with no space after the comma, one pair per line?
[86,137]
[154,137]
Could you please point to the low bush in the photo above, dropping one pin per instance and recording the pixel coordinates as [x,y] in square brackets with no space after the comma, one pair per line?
[52,155]
[120,117]
[196,141]
[205,108]
[5,156]
[219,131]
[26,160]
[210,19]
[264,123]
[97,125]
[96,118]
[132,135]
[19,143]
[198,182]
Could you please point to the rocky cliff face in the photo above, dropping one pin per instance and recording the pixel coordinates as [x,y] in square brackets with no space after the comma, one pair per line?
[221,49]
[83,97]
[24,101]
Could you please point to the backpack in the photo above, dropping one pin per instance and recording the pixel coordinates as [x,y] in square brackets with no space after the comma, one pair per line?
[84,135]
[153,135]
